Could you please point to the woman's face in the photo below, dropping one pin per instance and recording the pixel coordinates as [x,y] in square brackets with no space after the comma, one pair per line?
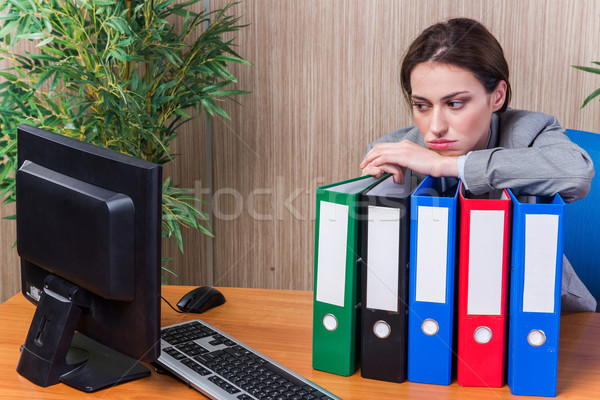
[452,108]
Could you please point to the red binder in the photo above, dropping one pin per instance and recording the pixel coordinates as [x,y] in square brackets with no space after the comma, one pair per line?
[483,288]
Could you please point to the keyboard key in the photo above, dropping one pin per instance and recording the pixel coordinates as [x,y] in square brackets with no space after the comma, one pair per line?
[175,354]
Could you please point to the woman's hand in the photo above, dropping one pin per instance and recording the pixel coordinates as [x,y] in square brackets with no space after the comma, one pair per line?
[396,157]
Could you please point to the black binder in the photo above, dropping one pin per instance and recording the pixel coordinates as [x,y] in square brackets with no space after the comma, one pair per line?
[385,245]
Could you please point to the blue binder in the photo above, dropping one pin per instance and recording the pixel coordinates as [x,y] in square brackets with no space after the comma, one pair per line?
[431,282]
[535,289]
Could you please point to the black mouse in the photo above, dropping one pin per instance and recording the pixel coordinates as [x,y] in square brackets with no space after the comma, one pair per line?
[201,299]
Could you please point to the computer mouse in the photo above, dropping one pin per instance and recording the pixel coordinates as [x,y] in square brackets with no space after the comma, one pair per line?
[201,299]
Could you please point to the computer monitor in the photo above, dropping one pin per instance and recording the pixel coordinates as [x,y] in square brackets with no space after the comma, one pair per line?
[88,235]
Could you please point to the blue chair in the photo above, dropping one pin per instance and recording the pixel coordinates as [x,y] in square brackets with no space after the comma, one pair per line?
[582,220]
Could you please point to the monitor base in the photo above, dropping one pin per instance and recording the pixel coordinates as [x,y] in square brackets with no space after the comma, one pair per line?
[54,353]
[104,367]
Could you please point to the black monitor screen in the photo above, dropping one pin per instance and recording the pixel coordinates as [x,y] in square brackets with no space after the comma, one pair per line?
[88,234]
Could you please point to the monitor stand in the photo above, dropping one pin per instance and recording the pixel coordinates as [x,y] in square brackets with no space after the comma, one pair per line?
[54,353]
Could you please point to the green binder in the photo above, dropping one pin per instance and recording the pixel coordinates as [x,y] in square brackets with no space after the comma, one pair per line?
[336,295]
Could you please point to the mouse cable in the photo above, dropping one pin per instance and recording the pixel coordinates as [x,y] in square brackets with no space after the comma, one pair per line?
[174,309]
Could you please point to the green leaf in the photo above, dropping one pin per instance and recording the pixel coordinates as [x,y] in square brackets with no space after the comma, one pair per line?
[103,2]
[588,69]
[237,60]
[222,93]
[7,28]
[9,76]
[591,97]
[181,112]
[43,79]
[19,5]
[33,36]
[43,57]
[44,42]
[9,16]
[168,270]
[119,54]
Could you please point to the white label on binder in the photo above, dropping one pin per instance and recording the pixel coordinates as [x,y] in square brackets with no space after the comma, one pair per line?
[432,253]
[541,241]
[383,247]
[331,259]
[486,244]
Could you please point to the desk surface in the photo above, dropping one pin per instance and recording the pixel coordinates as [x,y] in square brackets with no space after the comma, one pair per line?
[278,323]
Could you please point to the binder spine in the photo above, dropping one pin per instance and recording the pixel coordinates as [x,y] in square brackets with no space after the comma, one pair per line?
[536,277]
[431,284]
[385,234]
[335,316]
[483,283]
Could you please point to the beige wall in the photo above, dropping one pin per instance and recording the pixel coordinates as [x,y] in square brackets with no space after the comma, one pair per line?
[325,83]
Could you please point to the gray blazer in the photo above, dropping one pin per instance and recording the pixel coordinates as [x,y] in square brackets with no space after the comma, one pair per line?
[529,153]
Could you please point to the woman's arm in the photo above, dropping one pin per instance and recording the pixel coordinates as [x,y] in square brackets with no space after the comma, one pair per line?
[535,158]
[395,158]
[402,149]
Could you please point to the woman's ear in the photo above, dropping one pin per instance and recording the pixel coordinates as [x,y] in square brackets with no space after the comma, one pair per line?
[498,96]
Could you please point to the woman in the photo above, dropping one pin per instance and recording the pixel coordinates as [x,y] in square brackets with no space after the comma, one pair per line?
[455,78]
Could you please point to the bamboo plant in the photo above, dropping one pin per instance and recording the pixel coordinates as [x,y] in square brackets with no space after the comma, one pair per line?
[592,70]
[125,75]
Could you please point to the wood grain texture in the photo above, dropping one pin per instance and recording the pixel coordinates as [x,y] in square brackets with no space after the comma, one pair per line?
[325,83]
[188,170]
[10,276]
[320,94]
[278,323]
[10,272]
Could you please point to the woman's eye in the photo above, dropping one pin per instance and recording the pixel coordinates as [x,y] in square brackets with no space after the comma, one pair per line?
[420,106]
[456,104]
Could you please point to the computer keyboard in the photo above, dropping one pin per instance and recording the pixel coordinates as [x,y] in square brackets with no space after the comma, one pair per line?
[222,367]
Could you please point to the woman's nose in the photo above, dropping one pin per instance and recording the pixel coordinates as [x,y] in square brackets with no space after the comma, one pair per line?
[439,124]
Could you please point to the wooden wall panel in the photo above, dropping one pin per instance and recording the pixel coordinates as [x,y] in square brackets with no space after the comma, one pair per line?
[10,277]
[541,41]
[325,83]
[188,170]
[319,94]
[10,273]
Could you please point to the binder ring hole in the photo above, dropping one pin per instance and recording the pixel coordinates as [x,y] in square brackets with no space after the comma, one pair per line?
[482,335]
[330,322]
[430,327]
[536,338]
[382,329]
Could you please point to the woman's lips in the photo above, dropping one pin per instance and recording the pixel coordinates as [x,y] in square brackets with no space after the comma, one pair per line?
[441,144]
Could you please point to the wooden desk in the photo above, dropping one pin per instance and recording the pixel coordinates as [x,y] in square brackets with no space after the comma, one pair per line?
[278,323]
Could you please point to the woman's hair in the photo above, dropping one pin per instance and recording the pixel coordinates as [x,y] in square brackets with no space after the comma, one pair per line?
[461,42]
